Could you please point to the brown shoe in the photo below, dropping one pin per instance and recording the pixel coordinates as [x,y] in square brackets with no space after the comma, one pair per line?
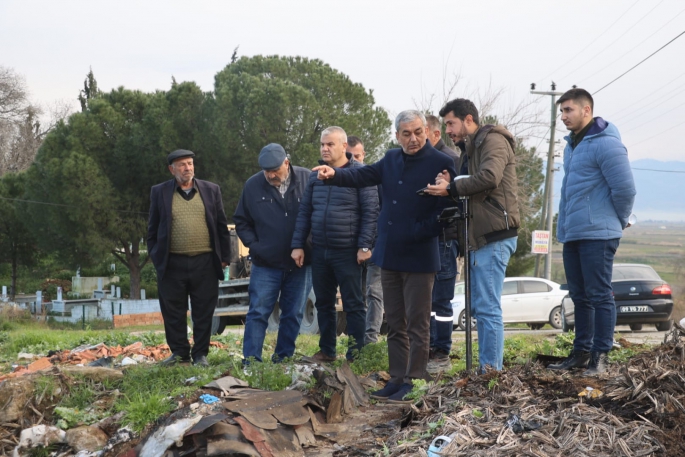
[321,357]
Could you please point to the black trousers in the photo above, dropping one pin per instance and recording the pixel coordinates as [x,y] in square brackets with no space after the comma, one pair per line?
[185,277]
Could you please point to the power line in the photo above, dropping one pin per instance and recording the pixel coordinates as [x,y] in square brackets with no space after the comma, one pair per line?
[653,136]
[657,90]
[660,171]
[67,206]
[654,103]
[655,118]
[633,48]
[543,138]
[590,43]
[615,41]
[639,63]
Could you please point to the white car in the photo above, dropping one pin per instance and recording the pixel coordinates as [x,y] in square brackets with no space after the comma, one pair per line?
[532,301]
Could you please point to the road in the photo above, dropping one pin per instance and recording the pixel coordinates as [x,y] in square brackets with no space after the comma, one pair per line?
[648,335]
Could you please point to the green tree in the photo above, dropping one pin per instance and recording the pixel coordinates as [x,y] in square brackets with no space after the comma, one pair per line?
[17,245]
[530,180]
[286,100]
[90,90]
[97,170]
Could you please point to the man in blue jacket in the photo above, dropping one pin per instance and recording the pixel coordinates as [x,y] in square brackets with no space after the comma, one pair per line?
[597,196]
[343,227]
[265,222]
[407,244]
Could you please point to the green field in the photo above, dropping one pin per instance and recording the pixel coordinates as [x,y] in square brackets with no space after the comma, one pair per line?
[659,244]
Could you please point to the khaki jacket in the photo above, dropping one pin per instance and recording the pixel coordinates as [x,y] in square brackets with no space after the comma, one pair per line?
[492,186]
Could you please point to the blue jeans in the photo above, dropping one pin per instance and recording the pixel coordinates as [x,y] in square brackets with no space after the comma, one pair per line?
[374,302]
[265,286]
[443,293]
[332,268]
[588,265]
[488,265]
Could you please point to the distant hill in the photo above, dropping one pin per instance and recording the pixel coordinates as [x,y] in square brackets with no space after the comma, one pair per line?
[660,195]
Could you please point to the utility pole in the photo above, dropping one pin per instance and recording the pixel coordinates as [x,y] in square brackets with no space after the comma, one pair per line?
[549,177]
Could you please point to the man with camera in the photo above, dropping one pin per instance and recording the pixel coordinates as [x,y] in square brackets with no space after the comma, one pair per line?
[491,185]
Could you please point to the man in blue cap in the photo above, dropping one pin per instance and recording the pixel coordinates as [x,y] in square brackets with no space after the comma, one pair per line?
[265,222]
[189,244]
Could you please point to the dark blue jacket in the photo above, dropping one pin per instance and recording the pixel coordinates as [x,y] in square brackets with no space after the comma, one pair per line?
[408,228]
[265,221]
[338,217]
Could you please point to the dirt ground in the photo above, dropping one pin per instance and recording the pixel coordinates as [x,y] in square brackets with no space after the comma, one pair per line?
[635,409]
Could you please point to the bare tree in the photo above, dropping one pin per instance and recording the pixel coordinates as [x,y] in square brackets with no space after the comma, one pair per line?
[26,138]
[521,118]
[13,95]
[23,125]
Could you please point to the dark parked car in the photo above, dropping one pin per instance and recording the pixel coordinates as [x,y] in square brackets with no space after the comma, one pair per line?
[641,296]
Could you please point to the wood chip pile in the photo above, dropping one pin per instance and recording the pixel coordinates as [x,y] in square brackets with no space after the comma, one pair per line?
[635,409]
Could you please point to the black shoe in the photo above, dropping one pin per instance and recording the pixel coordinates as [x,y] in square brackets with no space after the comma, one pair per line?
[599,362]
[389,389]
[577,359]
[201,361]
[400,395]
[173,359]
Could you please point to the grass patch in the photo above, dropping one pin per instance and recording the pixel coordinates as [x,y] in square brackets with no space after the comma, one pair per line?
[518,349]
[149,391]
[373,357]
[141,410]
[266,375]
[47,388]
[12,317]
[420,388]
[82,393]
[94,324]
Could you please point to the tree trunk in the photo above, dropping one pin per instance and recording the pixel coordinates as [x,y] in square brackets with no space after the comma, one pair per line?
[134,270]
[131,260]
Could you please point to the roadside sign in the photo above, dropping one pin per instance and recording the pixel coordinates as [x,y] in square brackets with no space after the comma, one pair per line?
[541,242]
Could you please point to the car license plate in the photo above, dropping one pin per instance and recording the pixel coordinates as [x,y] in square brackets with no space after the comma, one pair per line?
[634,309]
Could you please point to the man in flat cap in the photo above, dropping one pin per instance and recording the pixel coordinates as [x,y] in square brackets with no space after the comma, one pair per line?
[265,222]
[188,242]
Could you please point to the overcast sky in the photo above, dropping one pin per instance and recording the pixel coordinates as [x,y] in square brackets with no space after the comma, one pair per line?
[403,50]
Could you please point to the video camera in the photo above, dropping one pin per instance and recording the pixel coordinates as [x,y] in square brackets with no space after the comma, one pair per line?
[453,213]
